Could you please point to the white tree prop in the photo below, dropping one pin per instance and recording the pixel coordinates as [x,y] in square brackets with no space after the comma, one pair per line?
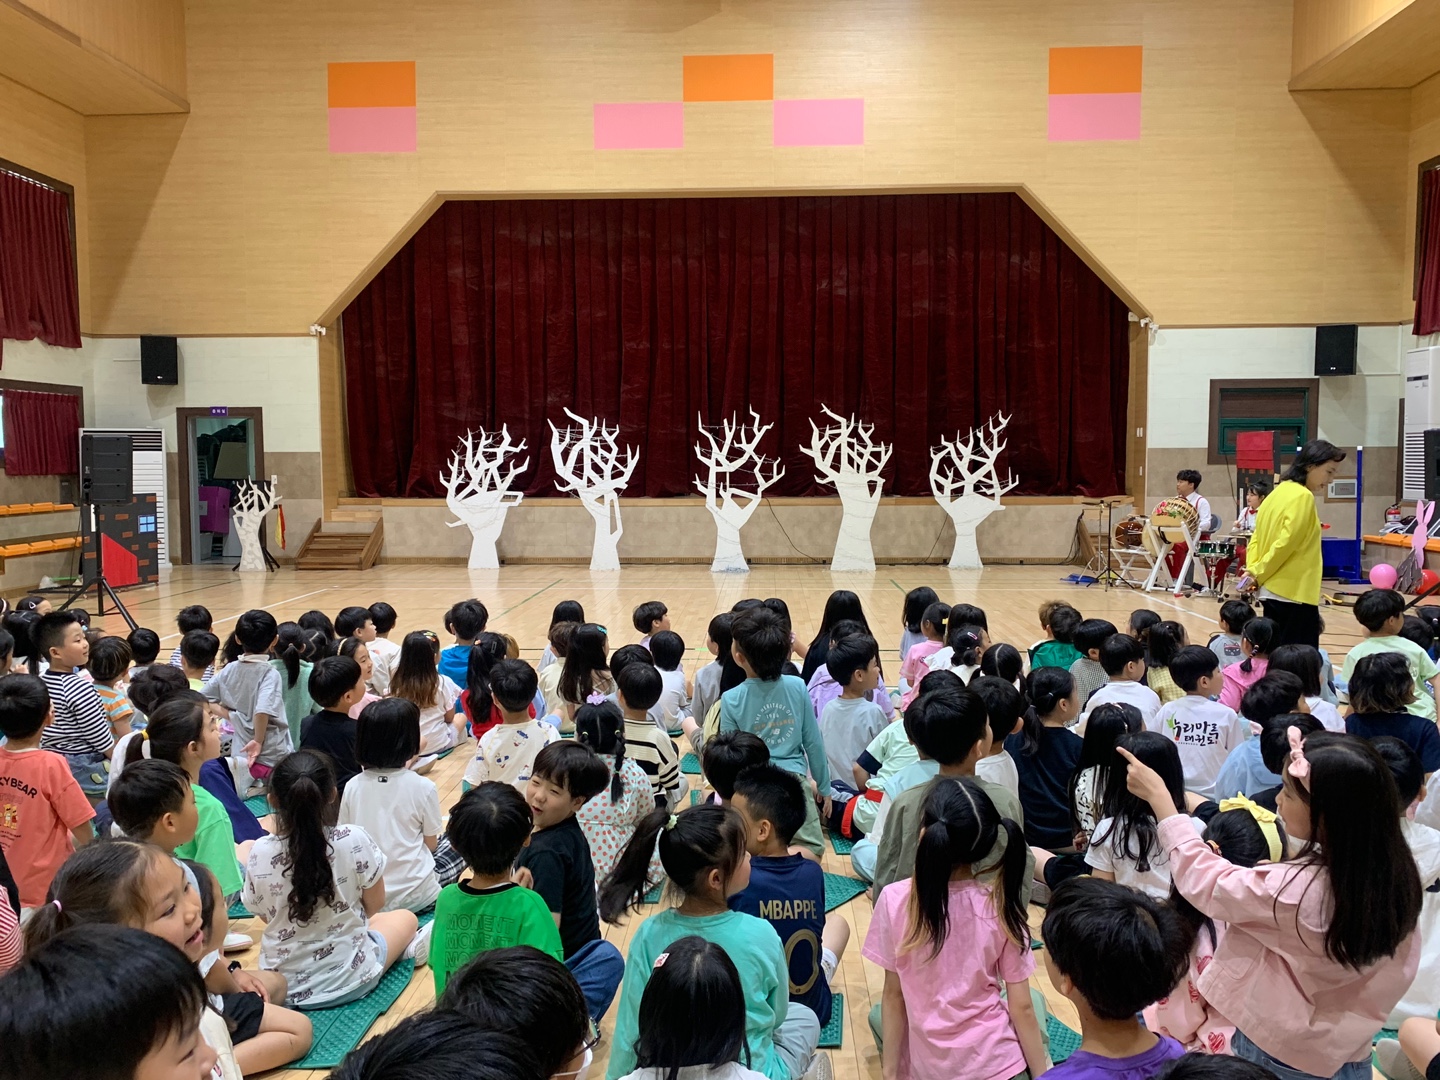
[848,458]
[477,490]
[736,451]
[252,502]
[589,461]
[967,485]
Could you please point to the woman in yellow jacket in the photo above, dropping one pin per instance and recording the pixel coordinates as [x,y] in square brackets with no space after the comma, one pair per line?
[1283,559]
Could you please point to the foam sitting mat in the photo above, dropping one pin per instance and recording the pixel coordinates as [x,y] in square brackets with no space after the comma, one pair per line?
[840,889]
[340,1029]
[1064,1040]
[841,845]
[259,805]
[240,911]
[653,896]
[690,764]
[832,1035]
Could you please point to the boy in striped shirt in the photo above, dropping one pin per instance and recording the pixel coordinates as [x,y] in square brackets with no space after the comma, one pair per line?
[81,728]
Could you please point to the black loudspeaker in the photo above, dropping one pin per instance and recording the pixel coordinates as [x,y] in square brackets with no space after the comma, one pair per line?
[1432,464]
[107,471]
[1335,349]
[159,361]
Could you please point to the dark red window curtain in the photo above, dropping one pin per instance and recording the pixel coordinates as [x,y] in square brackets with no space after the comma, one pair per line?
[38,297]
[924,314]
[1427,286]
[42,433]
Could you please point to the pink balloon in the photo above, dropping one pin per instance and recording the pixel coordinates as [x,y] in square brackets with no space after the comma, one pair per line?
[1383,576]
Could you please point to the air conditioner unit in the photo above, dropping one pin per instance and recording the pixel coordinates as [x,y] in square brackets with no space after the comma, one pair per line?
[1422,410]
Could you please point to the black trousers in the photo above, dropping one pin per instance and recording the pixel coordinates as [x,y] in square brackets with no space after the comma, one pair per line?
[1295,624]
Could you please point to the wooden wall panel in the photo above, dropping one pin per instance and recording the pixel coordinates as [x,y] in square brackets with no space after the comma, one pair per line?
[1242,203]
[1323,26]
[45,136]
[1424,145]
[146,35]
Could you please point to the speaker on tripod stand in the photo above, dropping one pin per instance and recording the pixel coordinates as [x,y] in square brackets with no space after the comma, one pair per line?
[107,478]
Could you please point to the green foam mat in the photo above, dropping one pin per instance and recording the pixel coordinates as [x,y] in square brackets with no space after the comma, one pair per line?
[832,1035]
[840,889]
[841,845]
[1386,1033]
[653,896]
[446,752]
[338,1030]
[1064,1041]
[259,805]
[239,911]
[690,764]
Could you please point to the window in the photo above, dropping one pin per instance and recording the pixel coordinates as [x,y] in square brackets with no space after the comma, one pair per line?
[147,523]
[1287,406]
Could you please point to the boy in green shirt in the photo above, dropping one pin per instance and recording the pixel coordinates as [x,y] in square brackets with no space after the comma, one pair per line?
[1382,613]
[488,827]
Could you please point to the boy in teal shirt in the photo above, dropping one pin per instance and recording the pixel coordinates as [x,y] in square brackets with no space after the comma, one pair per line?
[778,708]
[488,827]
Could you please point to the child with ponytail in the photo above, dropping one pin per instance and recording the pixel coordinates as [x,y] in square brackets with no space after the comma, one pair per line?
[1256,640]
[1046,755]
[1317,950]
[320,889]
[1162,642]
[610,818]
[948,940]
[295,656]
[703,852]
[967,644]
[1246,835]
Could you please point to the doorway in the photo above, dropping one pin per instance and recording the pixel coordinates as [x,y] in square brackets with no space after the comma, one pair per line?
[218,449]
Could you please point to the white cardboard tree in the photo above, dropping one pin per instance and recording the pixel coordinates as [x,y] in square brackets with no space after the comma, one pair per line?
[590,462]
[732,455]
[847,457]
[477,490]
[253,500]
[967,485]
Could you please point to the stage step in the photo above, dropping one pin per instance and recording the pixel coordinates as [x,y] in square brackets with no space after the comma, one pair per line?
[349,545]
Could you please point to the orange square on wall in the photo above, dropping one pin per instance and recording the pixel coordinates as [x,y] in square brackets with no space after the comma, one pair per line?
[742,77]
[381,84]
[1104,69]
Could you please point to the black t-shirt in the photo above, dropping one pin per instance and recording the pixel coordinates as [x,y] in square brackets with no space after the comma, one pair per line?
[559,859]
[1266,798]
[1417,732]
[334,734]
[1045,785]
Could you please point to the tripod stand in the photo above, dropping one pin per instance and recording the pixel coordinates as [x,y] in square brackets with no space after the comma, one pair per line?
[96,579]
[1107,575]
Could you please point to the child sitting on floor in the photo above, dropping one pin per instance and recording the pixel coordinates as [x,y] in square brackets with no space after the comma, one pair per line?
[913,669]
[336,685]
[637,690]
[1112,951]
[1244,771]
[109,663]
[1204,730]
[566,611]
[948,937]
[80,729]
[609,818]
[1382,694]
[397,807]
[703,851]
[788,890]
[823,689]
[912,618]
[51,815]
[1234,614]
[320,889]
[1255,643]
[560,868]
[649,619]
[506,753]
[1057,648]
[1088,671]
[668,649]
[1005,709]
[489,827]
[1307,665]
[728,755]
[850,722]
[1046,755]
[466,621]
[1162,642]
[192,617]
[1382,613]
[383,652]
[251,691]
[417,680]
[1123,658]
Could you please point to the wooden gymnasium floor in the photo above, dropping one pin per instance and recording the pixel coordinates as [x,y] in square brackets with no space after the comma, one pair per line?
[520,600]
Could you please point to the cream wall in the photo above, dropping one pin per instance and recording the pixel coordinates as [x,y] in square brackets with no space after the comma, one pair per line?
[1241,204]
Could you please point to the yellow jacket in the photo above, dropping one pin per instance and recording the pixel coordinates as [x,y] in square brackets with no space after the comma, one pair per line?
[1284,553]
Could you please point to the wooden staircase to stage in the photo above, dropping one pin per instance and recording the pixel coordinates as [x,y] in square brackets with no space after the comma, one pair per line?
[348,538]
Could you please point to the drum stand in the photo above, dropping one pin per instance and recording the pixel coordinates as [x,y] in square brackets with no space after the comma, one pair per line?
[1107,575]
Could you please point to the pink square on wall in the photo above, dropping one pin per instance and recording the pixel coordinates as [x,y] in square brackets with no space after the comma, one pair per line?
[640,125]
[820,122]
[373,130]
[1094,117]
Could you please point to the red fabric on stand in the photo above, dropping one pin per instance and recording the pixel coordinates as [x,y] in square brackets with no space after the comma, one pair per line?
[42,433]
[923,314]
[1427,301]
[38,293]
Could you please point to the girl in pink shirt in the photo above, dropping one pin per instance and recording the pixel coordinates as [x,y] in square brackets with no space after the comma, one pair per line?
[1246,835]
[1317,951]
[949,941]
[1255,642]
[932,625]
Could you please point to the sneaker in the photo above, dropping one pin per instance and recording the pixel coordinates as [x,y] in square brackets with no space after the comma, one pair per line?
[237,942]
[419,947]
[425,764]
[1393,1062]
[820,1067]
[1039,893]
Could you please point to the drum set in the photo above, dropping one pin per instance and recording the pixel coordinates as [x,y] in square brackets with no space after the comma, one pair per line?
[1143,543]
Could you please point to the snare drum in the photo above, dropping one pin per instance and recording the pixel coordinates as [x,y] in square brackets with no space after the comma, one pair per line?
[1215,549]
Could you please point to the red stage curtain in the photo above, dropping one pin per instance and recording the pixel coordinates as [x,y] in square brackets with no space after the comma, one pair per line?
[38,296]
[42,433]
[924,314]
[1427,298]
